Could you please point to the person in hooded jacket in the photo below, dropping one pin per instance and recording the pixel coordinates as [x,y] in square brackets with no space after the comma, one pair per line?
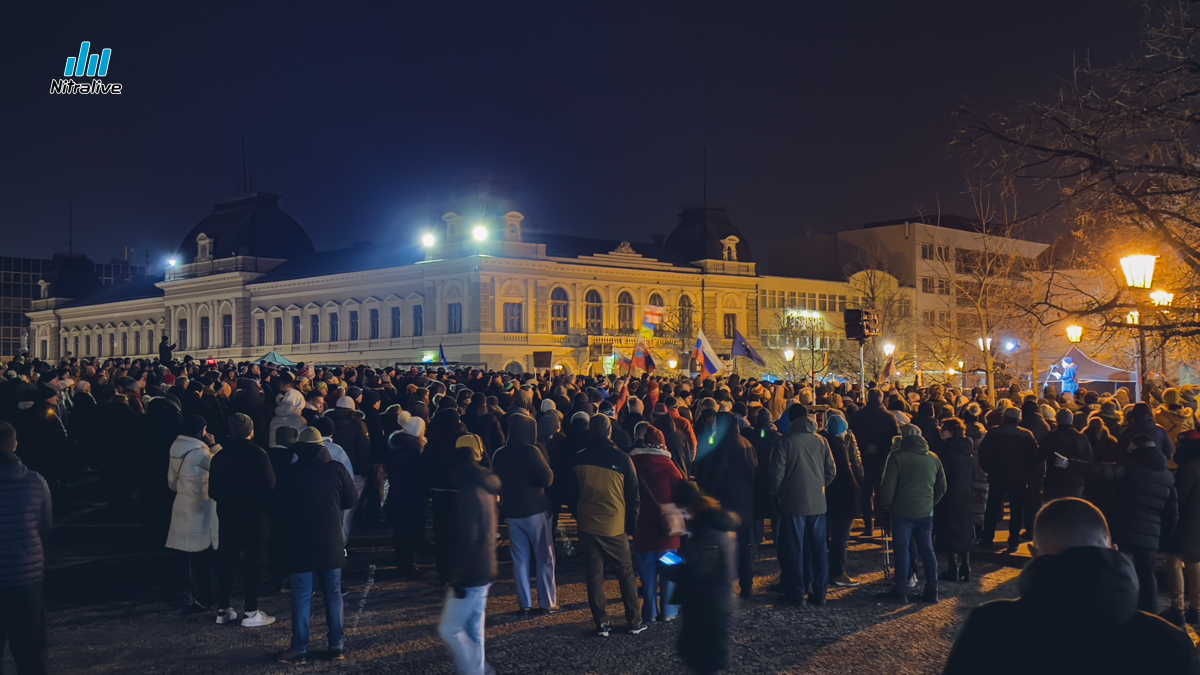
[194,527]
[438,472]
[842,497]
[763,437]
[1077,611]
[727,473]
[953,531]
[1139,422]
[240,482]
[549,421]
[652,538]
[250,401]
[1173,416]
[408,495]
[484,423]
[287,413]
[1070,443]
[524,476]
[914,481]
[1145,510]
[1181,566]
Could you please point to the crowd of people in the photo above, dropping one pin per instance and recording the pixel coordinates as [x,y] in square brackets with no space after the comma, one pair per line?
[671,482]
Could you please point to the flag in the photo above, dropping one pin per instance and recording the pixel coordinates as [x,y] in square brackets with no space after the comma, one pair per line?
[441,357]
[889,368]
[641,358]
[652,316]
[706,356]
[621,360]
[741,347]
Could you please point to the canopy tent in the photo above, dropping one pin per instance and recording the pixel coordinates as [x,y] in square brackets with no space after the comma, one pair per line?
[277,359]
[1091,370]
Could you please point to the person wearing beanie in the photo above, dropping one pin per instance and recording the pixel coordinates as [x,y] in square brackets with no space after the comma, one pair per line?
[843,497]
[310,497]
[44,435]
[1139,422]
[1070,443]
[194,526]
[549,421]
[408,494]
[801,467]
[351,434]
[25,497]
[1009,455]
[524,476]
[241,481]
[653,538]
[606,511]
[873,427]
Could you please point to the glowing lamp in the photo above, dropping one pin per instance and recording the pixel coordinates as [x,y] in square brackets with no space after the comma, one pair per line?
[171,262]
[950,372]
[672,363]
[888,349]
[428,239]
[788,355]
[1139,270]
[1133,317]
[985,344]
[479,233]
[558,366]
[1162,298]
[1075,334]
[1009,346]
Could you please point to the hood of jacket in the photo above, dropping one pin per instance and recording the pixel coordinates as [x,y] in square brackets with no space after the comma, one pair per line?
[914,444]
[310,453]
[291,403]
[522,430]
[345,413]
[804,424]
[1149,457]
[1089,585]
[1175,417]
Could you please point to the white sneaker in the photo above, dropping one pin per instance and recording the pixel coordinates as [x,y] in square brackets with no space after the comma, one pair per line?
[226,615]
[257,618]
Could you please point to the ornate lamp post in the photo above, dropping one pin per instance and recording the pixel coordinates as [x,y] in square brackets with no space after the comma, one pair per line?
[1074,334]
[1139,273]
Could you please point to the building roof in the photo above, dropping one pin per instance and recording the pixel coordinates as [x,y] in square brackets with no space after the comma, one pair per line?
[569,246]
[137,289]
[699,234]
[358,258]
[249,225]
[947,220]
[71,276]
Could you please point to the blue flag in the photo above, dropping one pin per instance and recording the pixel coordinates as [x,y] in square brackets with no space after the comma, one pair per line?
[441,354]
[742,348]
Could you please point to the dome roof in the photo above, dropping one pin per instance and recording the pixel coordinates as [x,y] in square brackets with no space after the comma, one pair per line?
[250,225]
[702,232]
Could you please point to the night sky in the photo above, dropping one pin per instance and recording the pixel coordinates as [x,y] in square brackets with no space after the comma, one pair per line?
[817,116]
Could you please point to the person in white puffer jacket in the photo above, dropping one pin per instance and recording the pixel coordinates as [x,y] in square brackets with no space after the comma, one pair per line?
[287,412]
[193,515]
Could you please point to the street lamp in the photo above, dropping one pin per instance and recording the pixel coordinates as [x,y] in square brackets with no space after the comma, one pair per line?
[1139,270]
[1074,334]
[788,355]
[172,262]
[428,240]
[479,233]
[1162,298]
[985,344]
[1009,346]
[672,363]
[889,349]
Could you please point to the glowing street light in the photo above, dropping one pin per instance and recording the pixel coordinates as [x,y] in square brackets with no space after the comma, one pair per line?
[1009,346]
[479,233]
[949,372]
[788,355]
[1133,318]
[1074,334]
[985,344]
[1139,270]
[888,349]
[428,240]
[671,363]
[172,262]
[1162,298]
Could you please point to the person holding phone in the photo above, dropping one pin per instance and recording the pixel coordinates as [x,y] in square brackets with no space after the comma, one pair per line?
[652,541]
[193,515]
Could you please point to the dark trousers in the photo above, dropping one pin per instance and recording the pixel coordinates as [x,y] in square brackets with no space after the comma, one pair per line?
[23,627]
[1143,564]
[745,558]
[872,478]
[614,552]
[408,533]
[803,556]
[195,571]
[995,511]
[839,538]
[236,541]
[443,533]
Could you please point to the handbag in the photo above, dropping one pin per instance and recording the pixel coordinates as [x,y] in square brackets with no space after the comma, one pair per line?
[670,518]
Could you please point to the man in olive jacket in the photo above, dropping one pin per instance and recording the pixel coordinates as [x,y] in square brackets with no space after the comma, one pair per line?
[800,467]
[913,483]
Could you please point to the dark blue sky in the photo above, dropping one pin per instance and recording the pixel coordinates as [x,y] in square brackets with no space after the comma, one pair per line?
[817,116]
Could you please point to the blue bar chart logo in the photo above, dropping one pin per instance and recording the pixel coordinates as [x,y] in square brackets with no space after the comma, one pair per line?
[86,64]
[94,66]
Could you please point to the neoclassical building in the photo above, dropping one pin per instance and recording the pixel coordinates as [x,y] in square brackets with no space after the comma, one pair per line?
[247,281]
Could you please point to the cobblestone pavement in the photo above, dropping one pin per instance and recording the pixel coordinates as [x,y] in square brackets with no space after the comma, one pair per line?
[111,610]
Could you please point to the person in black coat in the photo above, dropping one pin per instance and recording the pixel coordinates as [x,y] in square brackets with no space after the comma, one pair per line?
[307,543]
[874,428]
[1145,511]
[1067,441]
[1009,455]
[727,473]
[525,475]
[408,494]
[241,480]
[928,425]
[373,502]
[43,436]
[1077,612]
[437,473]
[484,424]
[704,581]
[763,438]
[1140,421]
[953,529]
[842,499]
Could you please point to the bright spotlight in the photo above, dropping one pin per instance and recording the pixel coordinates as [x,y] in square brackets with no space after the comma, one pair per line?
[171,262]
[479,233]
[428,239]
[1010,346]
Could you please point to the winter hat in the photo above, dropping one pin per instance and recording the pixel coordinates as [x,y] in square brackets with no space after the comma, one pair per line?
[240,426]
[653,437]
[310,435]
[1012,414]
[1171,396]
[415,426]
[472,442]
[193,425]
[548,405]
[45,392]
[1048,413]
[1064,417]
[346,402]
[797,411]
[324,425]
[600,427]
[835,424]
[660,409]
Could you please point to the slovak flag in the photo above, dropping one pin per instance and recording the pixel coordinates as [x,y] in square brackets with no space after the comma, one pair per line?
[641,358]
[706,356]
[619,359]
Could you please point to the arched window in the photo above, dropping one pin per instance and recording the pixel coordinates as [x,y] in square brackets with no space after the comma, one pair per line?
[560,311]
[593,313]
[656,300]
[686,314]
[625,313]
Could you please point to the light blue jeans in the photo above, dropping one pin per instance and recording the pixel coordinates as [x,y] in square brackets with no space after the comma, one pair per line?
[331,593]
[647,567]
[532,540]
[461,628]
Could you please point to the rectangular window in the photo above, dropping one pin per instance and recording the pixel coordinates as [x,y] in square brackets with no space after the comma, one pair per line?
[730,325]
[333,327]
[124,344]
[395,322]
[63,354]
[926,285]
[295,330]
[418,320]
[905,307]
[943,287]
[927,317]
[353,324]
[314,328]
[204,336]
[149,342]
[791,299]
[137,343]
[375,324]
[943,253]
[822,303]
[926,251]
[262,332]
[45,349]
[278,326]
[625,318]
[812,301]
[182,343]
[76,352]
[454,317]
[112,345]
[944,318]
[87,343]
[227,331]
[513,317]
[560,312]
